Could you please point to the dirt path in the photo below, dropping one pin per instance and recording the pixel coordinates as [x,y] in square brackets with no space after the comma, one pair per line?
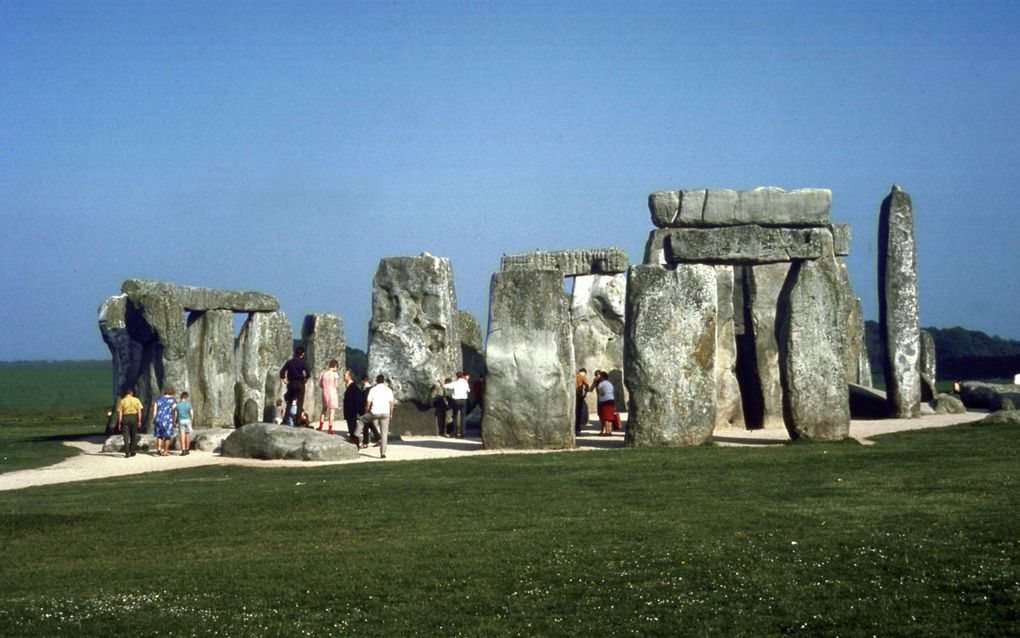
[91,463]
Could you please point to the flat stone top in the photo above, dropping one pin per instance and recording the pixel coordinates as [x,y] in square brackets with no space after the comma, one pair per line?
[200,299]
[747,245]
[766,206]
[572,263]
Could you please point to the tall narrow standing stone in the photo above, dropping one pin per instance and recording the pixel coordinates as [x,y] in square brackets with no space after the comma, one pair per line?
[815,396]
[926,365]
[729,411]
[764,286]
[263,346]
[529,394]
[897,304]
[322,336]
[471,344]
[670,354]
[126,353]
[211,367]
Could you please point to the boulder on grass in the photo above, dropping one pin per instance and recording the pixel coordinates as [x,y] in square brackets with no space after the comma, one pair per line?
[269,441]
[948,404]
[988,396]
[210,440]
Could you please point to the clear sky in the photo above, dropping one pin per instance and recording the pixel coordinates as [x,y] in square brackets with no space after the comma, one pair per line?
[287,147]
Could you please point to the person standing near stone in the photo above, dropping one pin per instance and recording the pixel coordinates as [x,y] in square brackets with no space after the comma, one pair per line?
[441,406]
[279,412]
[164,416]
[185,415]
[380,410]
[606,402]
[369,426]
[295,374]
[328,381]
[129,420]
[459,391]
[581,389]
[354,403]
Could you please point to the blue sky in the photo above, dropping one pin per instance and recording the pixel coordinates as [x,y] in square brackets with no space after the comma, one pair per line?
[287,147]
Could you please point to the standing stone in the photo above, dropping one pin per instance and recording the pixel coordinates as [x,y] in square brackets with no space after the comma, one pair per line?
[414,336]
[210,359]
[814,370]
[851,322]
[670,354]
[263,346]
[765,282]
[597,314]
[529,395]
[471,344]
[126,353]
[864,363]
[897,304]
[322,336]
[157,326]
[655,247]
[729,411]
[927,366]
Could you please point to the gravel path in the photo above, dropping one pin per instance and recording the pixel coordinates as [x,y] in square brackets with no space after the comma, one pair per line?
[91,463]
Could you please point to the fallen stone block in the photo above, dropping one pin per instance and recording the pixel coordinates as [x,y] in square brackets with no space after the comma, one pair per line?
[269,441]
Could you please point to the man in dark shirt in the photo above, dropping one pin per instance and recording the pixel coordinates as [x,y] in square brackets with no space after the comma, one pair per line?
[294,374]
[354,405]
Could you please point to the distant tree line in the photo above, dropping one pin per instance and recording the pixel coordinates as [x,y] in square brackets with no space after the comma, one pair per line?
[959,353]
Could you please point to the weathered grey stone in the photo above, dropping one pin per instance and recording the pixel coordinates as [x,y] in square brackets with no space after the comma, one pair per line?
[471,344]
[263,346]
[729,411]
[115,443]
[269,441]
[747,244]
[655,247]
[572,263]
[209,440]
[126,353]
[1001,417]
[161,365]
[211,367]
[194,298]
[897,303]
[840,238]
[322,336]
[926,366]
[988,396]
[851,323]
[864,367]
[670,354]
[767,206]
[414,335]
[815,399]
[597,313]
[948,404]
[764,284]
[529,355]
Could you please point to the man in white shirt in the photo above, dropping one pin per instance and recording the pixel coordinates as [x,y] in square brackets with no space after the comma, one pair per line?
[459,391]
[379,410]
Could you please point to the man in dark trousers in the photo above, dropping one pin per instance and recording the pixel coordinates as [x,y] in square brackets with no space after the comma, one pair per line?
[370,427]
[354,405]
[295,374]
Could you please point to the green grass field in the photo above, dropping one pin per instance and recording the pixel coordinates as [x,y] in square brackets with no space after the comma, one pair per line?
[915,536]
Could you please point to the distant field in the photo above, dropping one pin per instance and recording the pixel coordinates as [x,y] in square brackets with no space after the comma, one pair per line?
[59,384]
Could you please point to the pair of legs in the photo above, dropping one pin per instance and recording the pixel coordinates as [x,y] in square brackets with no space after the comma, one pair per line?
[580,415]
[607,416]
[291,396]
[330,411]
[129,428]
[459,408]
[185,427]
[378,422]
[163,446]
[441,411]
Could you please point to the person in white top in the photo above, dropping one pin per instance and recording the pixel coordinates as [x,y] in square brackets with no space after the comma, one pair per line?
[379,410]
[606,402]
[459,391]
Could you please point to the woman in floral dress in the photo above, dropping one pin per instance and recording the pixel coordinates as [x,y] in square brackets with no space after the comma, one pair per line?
[328,381]
[164,413]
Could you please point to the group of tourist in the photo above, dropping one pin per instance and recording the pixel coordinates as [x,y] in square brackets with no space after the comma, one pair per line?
[168,414]
[605,396]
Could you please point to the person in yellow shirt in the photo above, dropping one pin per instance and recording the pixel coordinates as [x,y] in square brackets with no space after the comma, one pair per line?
[129,420]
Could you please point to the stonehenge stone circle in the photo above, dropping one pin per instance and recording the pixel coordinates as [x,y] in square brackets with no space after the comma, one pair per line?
[729,410]
[529,395]
[897,303]
[322,337]
[263,346]
[815,399]
[765,283]
[670,354]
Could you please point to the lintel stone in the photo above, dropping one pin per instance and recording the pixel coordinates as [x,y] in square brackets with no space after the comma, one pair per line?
[199,299]
[766,206]
[747,244]
[572,263]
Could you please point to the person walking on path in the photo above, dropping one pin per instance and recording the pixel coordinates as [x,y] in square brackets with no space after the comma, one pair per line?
[354,404]
[295,374]
[380,410]
[606,402]
[185,415]
[459,391]
[129,420]
[164,416]
[328,381]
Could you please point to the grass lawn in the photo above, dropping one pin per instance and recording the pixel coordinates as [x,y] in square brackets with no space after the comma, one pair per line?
[916,536]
